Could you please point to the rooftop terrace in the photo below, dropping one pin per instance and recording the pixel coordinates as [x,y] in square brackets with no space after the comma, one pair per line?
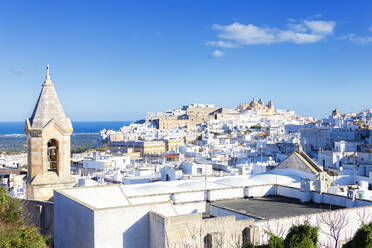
[272,207]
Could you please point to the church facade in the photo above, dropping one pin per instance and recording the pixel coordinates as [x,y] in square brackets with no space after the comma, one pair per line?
[259,106]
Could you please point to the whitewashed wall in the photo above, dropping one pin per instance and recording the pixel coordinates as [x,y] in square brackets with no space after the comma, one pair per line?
[126,226]
[73,223]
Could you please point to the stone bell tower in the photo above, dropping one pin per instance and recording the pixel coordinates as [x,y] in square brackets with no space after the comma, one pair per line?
[48,145]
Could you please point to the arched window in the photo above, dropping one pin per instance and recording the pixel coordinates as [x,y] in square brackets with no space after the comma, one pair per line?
[52,155]
[208,241]
[246,236]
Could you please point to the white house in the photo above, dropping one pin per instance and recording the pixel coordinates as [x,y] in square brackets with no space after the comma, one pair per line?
[170,173]
[101,163]
[197,169]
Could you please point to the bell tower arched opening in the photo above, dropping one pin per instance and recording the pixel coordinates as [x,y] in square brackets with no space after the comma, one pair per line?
[53,155]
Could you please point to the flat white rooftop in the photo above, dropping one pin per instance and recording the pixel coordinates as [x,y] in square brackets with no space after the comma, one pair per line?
[108,196]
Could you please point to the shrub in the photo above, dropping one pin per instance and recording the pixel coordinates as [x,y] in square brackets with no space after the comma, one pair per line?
[256,127]
[276,242]
[362,238]
[10,211]
[250,245]
[248,131]
[21,237]
[302,236]
[14,230]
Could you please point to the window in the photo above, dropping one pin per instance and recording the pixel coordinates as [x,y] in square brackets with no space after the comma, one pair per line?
[208,241]
[246,236]
[199,170]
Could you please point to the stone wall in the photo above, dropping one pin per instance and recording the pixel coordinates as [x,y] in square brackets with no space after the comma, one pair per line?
[40,214]
[195,231]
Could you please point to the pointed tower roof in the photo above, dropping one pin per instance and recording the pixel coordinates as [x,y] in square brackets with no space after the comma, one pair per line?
[253,102]
[49,108]
[261,101]
[336,113]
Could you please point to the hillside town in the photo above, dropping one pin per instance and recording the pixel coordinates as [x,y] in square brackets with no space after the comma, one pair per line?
[200,174]
[185,124]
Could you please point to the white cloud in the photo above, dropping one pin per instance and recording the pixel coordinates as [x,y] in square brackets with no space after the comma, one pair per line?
[221,43]
[321,27]
[298,27]
[217,54]
[364,40]
[238,34]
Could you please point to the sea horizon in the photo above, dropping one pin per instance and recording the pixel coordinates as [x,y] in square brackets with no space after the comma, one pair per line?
[15,128]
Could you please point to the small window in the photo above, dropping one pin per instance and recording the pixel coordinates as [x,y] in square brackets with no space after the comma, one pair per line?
[199,170]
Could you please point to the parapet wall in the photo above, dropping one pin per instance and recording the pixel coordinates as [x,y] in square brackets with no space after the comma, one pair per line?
[320,198]
[198,195]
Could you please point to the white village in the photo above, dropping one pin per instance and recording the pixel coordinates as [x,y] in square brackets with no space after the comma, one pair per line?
[196,176]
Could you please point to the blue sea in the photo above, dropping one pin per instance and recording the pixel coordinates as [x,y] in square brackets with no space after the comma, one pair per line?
[80,127]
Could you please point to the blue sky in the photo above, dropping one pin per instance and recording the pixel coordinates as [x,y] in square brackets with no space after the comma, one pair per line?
[118,60]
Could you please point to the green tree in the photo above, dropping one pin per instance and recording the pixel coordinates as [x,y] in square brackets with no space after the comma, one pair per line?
[14,230]
[256,127]
[21,237]
[276,242]
[362,238]
[101,149]
[302,236]
[10,212]
[248,131]
[80,149]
